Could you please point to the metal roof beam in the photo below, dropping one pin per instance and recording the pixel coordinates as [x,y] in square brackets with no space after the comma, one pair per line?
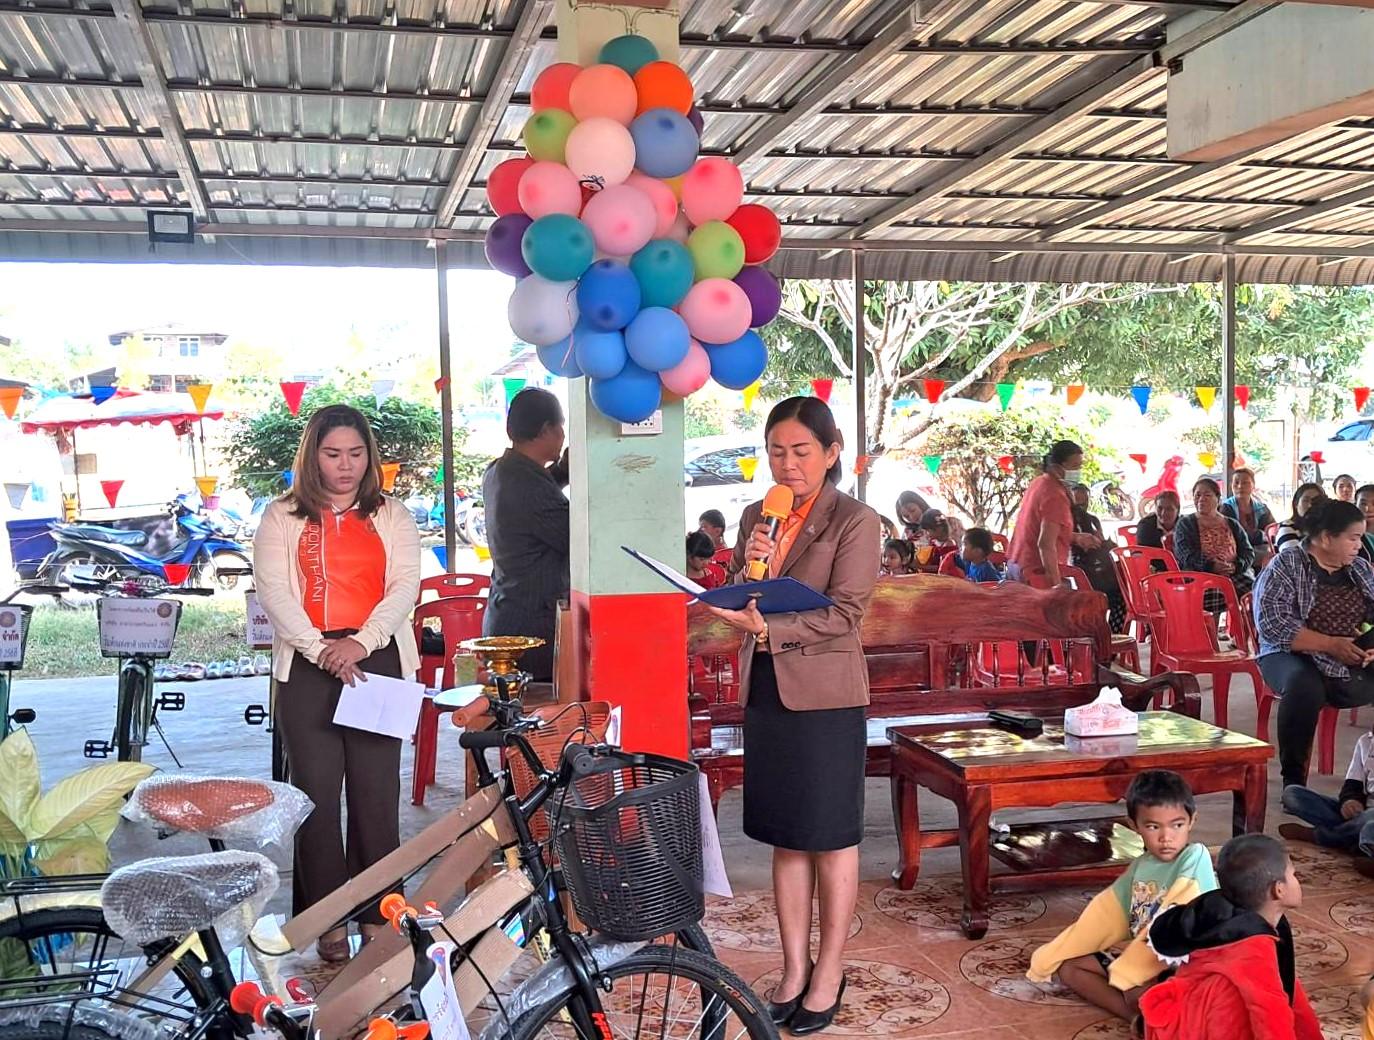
[130,15]
[513,60]
[1287,221]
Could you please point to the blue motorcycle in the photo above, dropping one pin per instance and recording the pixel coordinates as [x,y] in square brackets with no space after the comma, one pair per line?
[182,536]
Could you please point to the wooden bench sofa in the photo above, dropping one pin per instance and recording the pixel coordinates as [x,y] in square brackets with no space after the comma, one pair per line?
[938,646]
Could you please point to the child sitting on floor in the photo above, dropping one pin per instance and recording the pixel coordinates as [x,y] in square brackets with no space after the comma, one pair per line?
[899,557]
[975,562]
[1344,822]
[1234,951]
[1171,870]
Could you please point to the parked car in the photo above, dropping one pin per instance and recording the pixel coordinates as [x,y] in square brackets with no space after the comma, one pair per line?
[1349,448]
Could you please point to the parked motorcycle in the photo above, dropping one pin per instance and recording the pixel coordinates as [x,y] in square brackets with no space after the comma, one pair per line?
[469,517]
[1168,481]
[105,553]
[1112,500]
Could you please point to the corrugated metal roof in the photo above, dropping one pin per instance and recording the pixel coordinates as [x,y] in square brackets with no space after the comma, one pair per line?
[310,120]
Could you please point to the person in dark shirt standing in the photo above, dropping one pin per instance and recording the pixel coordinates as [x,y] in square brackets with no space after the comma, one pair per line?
[527,527]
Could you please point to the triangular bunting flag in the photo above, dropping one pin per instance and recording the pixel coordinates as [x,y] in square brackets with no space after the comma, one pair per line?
[1243,396]
[16,493]
[288,476]
[111,489]
[933,463]
[822,388]
[10,397]
[933,389]
[176,573]
[207,485]
[440,383]
[1004,394]
[749,393]
[1073,392]
[512,385]
[389,471]
[1361,399]
[200,395]
[1139,457]
[1206,395]
[382,389]
[1208,459]
[861,465]
[293,392]
[1142,397]
[101,394]
[748,466]
[1006,463]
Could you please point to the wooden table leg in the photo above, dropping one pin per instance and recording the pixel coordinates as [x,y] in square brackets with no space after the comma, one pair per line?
[906,815]
[975,814]
[1248,803]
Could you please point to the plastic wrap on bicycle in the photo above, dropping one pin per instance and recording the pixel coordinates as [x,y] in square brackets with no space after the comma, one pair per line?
[112,1024]
[172,896]
[227,808]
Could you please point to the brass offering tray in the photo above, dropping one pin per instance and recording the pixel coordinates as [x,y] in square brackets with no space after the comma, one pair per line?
[500,654]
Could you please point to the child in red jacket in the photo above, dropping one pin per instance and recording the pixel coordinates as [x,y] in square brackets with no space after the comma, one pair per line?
[1236,979]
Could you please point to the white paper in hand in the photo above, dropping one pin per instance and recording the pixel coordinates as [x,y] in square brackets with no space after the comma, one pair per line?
[382,705]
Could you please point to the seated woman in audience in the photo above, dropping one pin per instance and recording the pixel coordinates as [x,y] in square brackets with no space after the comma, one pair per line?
[1254,516]
[701,567]
[975,561]
[1091,553]
[1304,499]
[1364,502]
[899,557]
[1156,531]
[1344,486]
[1310,605]
[1208,541]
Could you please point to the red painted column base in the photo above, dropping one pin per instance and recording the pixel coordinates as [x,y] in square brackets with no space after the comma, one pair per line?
[632,651]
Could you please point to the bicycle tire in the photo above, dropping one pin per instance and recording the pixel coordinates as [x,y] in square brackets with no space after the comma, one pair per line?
[694,938]
[132,691]
[57,1029]
[709,975]
[40,925]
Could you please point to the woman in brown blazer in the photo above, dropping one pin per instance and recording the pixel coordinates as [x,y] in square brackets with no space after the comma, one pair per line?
[804,685]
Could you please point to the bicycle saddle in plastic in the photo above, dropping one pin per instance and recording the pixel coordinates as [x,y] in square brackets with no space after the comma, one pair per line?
[204,805]
[172,896]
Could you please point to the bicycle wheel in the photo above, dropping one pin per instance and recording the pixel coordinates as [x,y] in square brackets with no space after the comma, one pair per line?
[56,1024]
[660,991]
[131,722]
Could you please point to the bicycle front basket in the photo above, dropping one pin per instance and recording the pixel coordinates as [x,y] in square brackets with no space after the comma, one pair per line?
[629,840]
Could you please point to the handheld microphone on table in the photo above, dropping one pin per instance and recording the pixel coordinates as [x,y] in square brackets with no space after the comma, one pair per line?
[777,507]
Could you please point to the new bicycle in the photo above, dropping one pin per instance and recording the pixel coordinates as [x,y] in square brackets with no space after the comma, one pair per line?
[14,634]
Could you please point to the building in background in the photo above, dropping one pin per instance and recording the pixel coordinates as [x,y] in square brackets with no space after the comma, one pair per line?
[161,358]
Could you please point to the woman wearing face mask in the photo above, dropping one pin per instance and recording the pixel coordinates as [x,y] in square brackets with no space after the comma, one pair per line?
[1208,541]
[1044,532]
[1156,531]
[1290,531]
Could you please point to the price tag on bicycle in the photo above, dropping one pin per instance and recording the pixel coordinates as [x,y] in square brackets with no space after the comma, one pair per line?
[13,627]
[260,631]
[137,626]
[439,998]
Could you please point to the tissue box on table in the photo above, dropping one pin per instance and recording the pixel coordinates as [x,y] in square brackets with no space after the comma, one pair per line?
[1104,717]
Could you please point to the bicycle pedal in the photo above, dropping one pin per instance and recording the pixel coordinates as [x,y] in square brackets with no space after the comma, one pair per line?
[23,716]
[171,700]
[255,714]
[97,749]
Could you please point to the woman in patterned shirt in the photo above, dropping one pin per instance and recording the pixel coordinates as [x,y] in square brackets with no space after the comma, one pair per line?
[1208,541]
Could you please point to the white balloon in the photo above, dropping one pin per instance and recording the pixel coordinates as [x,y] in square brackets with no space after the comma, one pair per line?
[542,312]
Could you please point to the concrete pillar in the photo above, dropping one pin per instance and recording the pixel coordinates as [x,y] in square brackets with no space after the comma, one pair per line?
[1287,71]
[629,628]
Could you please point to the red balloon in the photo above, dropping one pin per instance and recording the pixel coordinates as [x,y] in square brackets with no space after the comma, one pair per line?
[551,87]
[760,229]
[503,185]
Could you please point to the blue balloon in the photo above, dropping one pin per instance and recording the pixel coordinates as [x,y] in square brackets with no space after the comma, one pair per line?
[558,247]
[559,358]
[608,295]
[630,397]
[665,272]
[657,339]
[665,143]
[600,355]
[630,53]
[736,365]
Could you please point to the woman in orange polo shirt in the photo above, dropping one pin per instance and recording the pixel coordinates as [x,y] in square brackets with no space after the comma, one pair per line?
[337,565]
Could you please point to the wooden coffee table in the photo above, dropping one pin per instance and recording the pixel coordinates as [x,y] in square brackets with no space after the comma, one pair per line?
[982,768]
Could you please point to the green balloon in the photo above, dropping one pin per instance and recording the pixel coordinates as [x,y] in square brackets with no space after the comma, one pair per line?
[717,250]
[630,53]
[546,134]
[558,247]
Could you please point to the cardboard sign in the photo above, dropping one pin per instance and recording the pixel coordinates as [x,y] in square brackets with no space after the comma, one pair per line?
[260,631]
[11,637]
[137,626]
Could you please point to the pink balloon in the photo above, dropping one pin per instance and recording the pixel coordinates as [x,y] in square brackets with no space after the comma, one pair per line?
[603,92]
[665,202]
[549,187]
[716,310]
[681,229]
[621,219]
[711,190]
[600,151]
[690,374]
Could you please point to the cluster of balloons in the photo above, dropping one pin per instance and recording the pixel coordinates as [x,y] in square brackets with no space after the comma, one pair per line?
[638,264]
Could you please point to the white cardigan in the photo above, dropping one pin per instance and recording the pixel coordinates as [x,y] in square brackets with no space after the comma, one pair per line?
[276,571]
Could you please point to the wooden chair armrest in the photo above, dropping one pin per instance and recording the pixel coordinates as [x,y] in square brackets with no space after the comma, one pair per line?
[1137,691]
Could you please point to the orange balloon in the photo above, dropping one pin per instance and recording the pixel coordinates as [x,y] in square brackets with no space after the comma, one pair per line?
[551,86]
[603,91]
[661,84]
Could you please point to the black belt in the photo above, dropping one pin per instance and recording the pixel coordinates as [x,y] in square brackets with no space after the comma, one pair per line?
[339,633]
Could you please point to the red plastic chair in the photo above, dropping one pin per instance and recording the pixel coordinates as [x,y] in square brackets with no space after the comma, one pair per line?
[460,618]
[1127,533]
[1124,646]
[1001,545]
[1185,642]
[1135,563]
[445,586]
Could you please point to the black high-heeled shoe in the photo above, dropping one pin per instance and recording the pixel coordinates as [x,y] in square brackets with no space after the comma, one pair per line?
[805,1021]
[782,1013]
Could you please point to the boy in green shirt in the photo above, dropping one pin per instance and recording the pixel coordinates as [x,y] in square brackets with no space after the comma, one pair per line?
[1171,870]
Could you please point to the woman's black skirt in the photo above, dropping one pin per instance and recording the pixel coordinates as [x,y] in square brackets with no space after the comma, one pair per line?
[803,770]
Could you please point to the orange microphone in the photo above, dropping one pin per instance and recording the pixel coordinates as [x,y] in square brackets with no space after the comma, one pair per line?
[777,507]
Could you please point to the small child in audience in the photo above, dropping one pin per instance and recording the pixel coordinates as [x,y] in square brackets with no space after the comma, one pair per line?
[899,557]
[712,524]
[1171,870]
[1344,822]
[937,525]
[975,562]
[1233,950]
[700,568]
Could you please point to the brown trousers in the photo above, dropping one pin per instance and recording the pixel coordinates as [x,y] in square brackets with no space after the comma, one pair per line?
[326,759]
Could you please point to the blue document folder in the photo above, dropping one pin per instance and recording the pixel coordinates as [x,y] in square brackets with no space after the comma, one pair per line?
[775,596]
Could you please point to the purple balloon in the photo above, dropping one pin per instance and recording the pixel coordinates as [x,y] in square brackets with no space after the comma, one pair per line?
[764,292]
[503,244]
[694,117]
